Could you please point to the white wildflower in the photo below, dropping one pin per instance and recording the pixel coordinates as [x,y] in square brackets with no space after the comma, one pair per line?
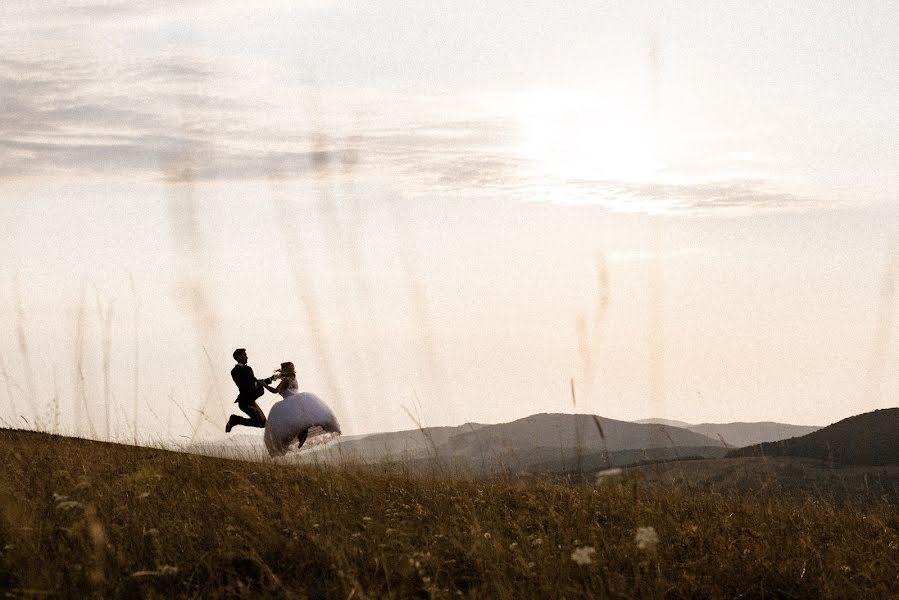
[608,474]
[646,538]
[583,555]
[487,535]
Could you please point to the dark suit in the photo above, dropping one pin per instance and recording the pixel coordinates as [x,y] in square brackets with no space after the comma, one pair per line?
[250,391]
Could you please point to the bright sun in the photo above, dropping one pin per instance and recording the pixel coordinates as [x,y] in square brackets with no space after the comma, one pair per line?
[587,135]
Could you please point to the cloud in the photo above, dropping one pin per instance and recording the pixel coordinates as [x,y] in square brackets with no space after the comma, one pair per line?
[63,13]
[135,119]
[729,196]
[188,117]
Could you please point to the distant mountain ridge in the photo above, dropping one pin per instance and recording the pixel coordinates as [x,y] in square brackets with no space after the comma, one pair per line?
[545,442]
[867,439]
[739,434]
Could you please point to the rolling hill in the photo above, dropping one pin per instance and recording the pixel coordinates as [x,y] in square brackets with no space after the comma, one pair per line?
[867,439]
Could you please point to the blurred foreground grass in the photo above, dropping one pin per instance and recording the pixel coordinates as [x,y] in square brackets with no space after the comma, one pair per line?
[92,519]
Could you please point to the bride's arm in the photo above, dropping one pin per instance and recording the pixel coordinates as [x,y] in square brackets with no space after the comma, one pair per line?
[281,386]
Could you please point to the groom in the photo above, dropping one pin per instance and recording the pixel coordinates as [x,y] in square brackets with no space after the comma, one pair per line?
[250,389]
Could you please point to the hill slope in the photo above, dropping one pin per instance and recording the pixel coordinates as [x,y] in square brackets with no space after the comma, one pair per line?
[867,439]
[91,519]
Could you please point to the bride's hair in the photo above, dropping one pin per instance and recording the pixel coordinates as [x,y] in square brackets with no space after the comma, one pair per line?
[286,371]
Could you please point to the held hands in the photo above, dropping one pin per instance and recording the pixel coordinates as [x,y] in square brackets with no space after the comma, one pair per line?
[265,383]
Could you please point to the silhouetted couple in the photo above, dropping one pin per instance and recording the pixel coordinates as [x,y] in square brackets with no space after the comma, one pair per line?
[291,418]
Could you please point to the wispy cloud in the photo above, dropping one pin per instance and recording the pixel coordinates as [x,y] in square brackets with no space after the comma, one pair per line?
[727,196]
[186,116]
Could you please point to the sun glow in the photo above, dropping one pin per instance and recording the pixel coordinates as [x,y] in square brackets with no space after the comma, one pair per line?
[588,135]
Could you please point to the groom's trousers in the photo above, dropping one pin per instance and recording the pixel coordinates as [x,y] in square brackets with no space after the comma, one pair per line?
[257,417]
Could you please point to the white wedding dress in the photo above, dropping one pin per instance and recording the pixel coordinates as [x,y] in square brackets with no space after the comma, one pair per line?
[294,415]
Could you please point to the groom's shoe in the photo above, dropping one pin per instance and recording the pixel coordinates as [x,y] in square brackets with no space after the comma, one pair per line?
[230,424]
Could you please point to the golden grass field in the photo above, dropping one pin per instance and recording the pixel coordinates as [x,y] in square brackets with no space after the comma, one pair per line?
[94,519]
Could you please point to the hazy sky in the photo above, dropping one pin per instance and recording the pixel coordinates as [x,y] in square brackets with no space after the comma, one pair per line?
[446,212]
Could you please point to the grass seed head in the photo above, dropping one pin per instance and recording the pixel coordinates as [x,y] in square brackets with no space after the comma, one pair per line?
[583,555]
[646,538]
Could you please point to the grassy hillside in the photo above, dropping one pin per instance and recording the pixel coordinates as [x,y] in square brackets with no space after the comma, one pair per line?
[784,476]
[867,439]
[93,519]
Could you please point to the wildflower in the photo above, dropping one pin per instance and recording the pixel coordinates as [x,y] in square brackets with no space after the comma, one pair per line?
[487,535]
[583,555]
[646,538]
[366,519]
[607,474]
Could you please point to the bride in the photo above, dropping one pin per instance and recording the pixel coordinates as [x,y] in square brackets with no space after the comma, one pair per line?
[292,417]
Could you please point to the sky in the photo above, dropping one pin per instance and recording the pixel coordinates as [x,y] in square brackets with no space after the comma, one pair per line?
[447,213]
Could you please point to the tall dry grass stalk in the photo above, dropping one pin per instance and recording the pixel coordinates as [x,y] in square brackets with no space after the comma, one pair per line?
[656,326]
[135,416]
[193,293]
[578,441]
[883,327]
[292,240]
[104,315]
[421,318]
[9,383]
[81,402]
[22,339]
[602,438]
[55,401]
